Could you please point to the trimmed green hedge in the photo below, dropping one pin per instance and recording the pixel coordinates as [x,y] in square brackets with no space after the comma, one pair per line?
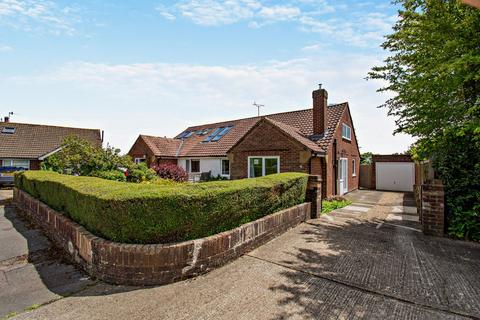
[159,213]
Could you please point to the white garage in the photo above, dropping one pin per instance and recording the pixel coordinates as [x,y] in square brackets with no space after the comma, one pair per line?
[395,176]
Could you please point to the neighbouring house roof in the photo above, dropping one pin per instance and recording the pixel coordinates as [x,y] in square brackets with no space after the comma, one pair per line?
[32,141]
[297,124]
[162,147]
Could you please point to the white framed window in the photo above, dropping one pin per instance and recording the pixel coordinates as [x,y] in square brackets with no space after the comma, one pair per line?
[16,163]
[259,166]
[140,160]
[225,167]
[346,132]
[354,167]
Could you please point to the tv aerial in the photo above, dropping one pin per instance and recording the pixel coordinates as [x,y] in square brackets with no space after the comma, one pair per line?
[258,107]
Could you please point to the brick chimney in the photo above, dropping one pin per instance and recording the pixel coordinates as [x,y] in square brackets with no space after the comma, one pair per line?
[6,119]
[320,103]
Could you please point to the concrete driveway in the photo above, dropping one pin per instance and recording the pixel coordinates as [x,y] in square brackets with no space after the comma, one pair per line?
[365,261]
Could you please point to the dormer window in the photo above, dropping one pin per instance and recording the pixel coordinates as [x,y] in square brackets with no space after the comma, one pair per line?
[8,130]
[346,132]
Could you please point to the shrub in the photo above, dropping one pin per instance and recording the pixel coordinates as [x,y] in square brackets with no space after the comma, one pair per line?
[115,175]
[457,163]
[153,213]
[171,172]
[79,157]
[140,173]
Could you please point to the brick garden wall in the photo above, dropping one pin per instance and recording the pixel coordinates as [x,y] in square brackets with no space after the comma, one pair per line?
[131,264]
[432,210]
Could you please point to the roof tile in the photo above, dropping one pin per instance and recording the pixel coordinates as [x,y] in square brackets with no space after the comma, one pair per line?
[31,141]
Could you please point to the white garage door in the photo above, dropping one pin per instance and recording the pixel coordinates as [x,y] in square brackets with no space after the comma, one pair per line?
[395,176]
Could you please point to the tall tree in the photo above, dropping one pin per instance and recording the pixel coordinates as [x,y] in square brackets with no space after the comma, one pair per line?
[434,70]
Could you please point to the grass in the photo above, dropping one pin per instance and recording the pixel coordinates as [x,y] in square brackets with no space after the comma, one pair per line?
[329,206]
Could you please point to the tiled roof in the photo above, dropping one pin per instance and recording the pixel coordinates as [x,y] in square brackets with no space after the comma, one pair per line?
[298,124]
[162,147]
[296,135]
[32,141]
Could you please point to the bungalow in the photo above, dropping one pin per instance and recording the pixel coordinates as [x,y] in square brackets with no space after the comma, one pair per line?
[319,140]
[25,145]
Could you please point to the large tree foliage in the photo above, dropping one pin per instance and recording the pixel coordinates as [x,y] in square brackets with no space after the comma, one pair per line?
[79,157]
[434,70]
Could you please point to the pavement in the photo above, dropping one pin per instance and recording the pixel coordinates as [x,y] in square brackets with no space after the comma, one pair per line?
[368,260]
[32,270]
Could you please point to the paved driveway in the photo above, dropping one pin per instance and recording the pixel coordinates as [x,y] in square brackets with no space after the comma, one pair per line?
[366,261]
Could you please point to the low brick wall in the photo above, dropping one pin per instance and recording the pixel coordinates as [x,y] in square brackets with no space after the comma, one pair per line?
[131,264]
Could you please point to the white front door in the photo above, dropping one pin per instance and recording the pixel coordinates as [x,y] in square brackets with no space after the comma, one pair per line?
[342,176]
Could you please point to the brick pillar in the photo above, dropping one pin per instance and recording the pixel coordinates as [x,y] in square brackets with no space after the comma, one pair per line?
[433,209]
[314,195]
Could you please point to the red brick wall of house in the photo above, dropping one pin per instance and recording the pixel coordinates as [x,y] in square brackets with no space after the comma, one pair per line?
[167,161]
[386,158]
[35,164]
[140,149]
[267,140]
[345,149]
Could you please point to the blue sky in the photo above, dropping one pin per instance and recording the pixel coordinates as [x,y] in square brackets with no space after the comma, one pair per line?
[156,67]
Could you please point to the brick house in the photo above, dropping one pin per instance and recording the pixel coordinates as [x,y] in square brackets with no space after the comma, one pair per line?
[319,140]
[24,145]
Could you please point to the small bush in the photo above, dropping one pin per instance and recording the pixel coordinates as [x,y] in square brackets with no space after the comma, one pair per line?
[162,212]
[140,173]
[171,172]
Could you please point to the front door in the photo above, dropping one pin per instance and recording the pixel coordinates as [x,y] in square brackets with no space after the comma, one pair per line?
[342,176]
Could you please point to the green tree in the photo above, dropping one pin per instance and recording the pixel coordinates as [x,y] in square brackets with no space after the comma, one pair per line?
[79,157]
[434,70]
[366,158]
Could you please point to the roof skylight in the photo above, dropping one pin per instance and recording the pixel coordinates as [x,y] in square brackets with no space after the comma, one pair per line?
[8,130]
[185,134]
[218,134]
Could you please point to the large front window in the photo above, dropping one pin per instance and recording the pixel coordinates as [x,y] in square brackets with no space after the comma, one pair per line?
[16,163]
[262,166]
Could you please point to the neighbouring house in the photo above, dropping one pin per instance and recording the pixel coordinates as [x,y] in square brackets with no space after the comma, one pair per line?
[24,145]
[319,140]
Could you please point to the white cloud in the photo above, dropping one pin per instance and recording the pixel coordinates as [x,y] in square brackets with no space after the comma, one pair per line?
[213,12]
[356,28]
[362,31]
[279,13]
[164,98]
[4,48]
[38,15]
[165,12]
